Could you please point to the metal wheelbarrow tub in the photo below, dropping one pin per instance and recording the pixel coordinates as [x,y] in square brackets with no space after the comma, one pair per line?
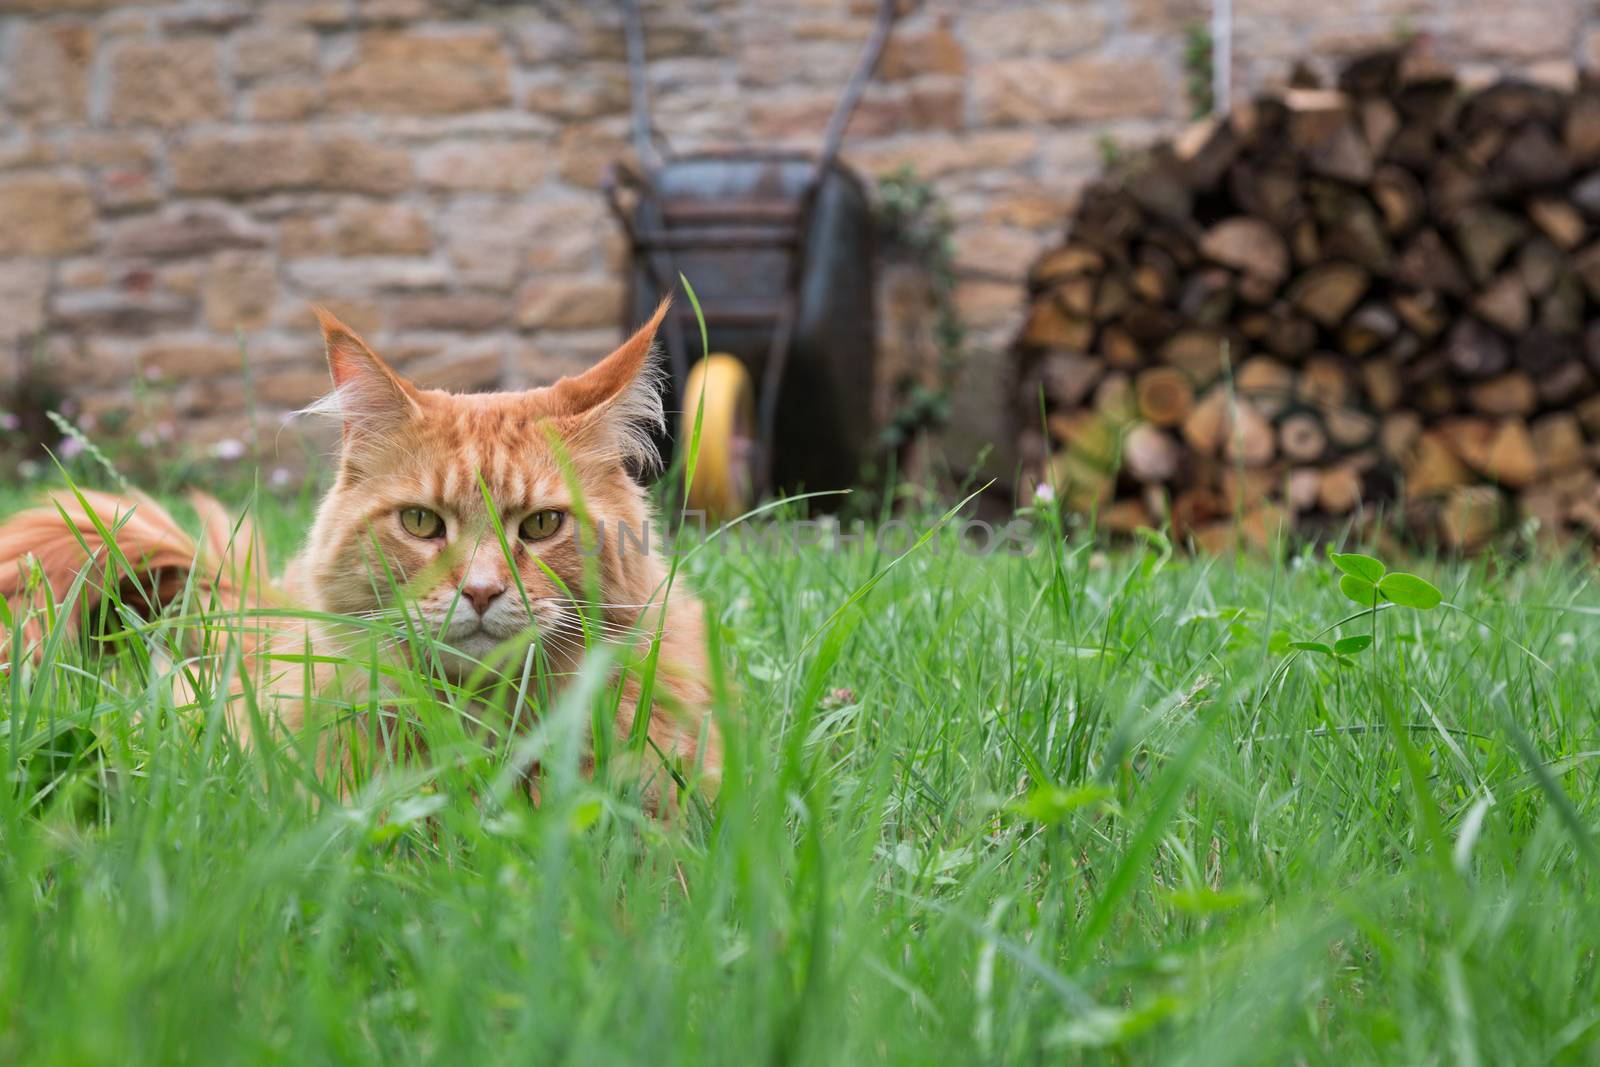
[779,247]
[739,226]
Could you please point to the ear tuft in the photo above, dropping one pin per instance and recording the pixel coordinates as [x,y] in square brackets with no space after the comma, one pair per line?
[620,395]
[366,391]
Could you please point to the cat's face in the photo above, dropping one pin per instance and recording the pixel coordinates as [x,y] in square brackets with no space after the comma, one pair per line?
[408,520]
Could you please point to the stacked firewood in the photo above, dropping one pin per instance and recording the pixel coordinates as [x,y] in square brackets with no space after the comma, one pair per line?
[1333,305]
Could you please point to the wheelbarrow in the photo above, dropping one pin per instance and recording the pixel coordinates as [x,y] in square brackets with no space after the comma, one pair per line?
[779,249]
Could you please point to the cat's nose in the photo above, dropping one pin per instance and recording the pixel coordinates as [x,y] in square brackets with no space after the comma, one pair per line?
[481,594]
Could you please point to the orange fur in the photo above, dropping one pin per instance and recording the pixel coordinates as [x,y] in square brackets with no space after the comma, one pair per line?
[407,447]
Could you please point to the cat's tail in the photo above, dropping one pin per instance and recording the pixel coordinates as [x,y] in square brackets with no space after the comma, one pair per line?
[126,545]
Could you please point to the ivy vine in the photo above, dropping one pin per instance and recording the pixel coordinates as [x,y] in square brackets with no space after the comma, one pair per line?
[914,223]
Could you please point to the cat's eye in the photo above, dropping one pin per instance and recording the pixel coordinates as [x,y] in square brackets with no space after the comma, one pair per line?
[420,522]
[540,525]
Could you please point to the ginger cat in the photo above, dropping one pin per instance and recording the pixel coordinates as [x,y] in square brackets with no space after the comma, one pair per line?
[408,504]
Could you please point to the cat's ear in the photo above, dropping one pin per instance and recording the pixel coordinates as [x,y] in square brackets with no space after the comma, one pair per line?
[620,395]
[366,391]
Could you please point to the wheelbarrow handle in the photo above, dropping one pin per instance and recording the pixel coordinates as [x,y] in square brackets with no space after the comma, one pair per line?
[617,180]
[888,11]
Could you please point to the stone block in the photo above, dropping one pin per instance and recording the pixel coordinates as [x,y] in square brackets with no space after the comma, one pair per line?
[45,215]
[167,83]
[48,72]
[423,74]
[240,289]
[1029,89]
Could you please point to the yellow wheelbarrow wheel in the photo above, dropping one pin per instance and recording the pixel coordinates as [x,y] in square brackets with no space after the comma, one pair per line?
[720,393]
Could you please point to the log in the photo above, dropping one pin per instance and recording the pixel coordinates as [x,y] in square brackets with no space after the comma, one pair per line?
[1115,294]
[1588,412]
[1436,396]
[1546,507]
[1512,459]
[1068,261]
[1244,489]
[1125,516]
[1476,351]
[1206,149]
[1114,400]
[1580,132]
[1433,468]
[1507,394]
[1079,483]
[1424,313]
[1324,384]
[1305,243]
[1471,438]
[1327,293]
[1330,299]
[1349,428]
[1485,235]
[1454,186]
[1248,245]
[1155,279]
[1561,311]
[1266,383]
[1399,198]
[1195,507]
[1511,103]
[1559,220]
[1069,377]
[1323,128]
[1199,353]
[1369,328]
[1305,483]
[1587,265]
[1586,194]
[1541,264]
[1265,527]
[1049,326]
[1558,441]
[1287,333]
[1586,513]
[1165,395]
[1428,265]
[1250,439]
[1351,229]
[1380,379]
[1301,438]
[1148,324]
[1150,454]
[1207,298]
[1380,121]
[1339,490]
[1531,159]
[1398,436]
[1471,516]
[1270,191]
[1220,538]
[1563,385]
[1067,427]
[1207,423]
[1504,304]
[1076,295]
[1119,348]
[1374,73]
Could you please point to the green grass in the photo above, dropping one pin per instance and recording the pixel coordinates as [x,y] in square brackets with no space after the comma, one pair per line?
[1064,807]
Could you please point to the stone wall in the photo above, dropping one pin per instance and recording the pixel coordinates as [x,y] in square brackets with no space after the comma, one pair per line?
[180,180]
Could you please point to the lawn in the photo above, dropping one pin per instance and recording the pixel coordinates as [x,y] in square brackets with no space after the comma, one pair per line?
[1053,807]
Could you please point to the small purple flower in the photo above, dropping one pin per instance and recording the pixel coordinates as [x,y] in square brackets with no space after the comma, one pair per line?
[229,448]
